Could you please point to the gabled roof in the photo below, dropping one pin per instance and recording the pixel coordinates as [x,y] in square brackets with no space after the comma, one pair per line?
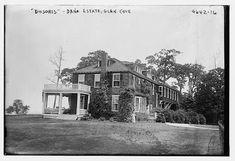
[117,66]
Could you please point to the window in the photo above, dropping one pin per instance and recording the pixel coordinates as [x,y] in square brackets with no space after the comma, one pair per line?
[83,101]
[153,89]
[168,93]
[97,81]
[153,77]
[81,78]
[137,80]
[99,64]
[173,95]
[115,99]
[116,79]
[137,104]
[164,91]
[133,80]
[160,90]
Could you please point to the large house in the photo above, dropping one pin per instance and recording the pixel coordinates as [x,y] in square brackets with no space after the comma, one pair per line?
[149,93]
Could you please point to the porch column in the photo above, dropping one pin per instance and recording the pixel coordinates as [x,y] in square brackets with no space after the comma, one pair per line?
[78,104]
[46,99]
[60,104]
[88,101]
[44,103]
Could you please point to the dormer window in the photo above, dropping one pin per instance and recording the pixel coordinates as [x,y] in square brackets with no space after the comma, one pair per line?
[108,63]
[153,77]
[99,63]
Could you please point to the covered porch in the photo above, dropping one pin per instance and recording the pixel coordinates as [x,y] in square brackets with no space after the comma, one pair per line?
[65,100]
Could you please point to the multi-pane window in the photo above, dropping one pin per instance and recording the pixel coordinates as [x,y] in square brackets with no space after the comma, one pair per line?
[160,90]
[137,80]
[116,79]
[97,81]
[164,91]
[153,90]
[115,99]
[81,78]
[137,104]
[168,93]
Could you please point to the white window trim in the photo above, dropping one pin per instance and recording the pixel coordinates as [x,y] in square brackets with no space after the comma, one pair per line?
[139,103]
[167,92]
[164,92]
[95,77]
[116,80]
[153,90]
[81,76]
[113,101]
[170,92]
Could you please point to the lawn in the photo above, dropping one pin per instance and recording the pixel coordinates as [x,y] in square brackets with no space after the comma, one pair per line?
[27,135]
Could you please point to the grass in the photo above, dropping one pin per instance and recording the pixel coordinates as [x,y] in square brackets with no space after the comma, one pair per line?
[28,135]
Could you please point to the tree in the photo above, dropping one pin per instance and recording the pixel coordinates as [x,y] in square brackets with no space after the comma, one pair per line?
[18,107]
[67,75]
[56,61]
[209,97]
[91,59]
[180,75]
[194,73]
[164,60]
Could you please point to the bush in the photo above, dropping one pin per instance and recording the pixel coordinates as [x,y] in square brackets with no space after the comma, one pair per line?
[67,111]
[126,105]
[113,119]
[202,119]
[180,116]
[99,106]
[141,116]
[102,119]
[160,118]
[193,117]
[86,117]
[168,115]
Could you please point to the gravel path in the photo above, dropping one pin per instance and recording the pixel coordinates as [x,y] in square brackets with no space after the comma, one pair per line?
[192,126]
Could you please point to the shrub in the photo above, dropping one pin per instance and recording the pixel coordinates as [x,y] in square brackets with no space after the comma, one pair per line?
[202,119]
[113,119]
[168,115]
[126,105]
[86,117]
[160,118]
[102,119]
[67,111]
[193,117]
[141,116]
[99,106]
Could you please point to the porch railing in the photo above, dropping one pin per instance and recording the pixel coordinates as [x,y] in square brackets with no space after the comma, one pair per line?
[67,87]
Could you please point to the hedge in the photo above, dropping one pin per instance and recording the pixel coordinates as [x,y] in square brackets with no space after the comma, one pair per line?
[126,105]
[181,116]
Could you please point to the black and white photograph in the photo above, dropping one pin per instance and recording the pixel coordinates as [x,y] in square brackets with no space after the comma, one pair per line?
[116,80]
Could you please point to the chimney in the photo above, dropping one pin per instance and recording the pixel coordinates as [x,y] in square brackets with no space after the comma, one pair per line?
[104,59]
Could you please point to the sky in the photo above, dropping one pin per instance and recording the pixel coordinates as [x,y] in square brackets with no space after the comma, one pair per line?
[31,39]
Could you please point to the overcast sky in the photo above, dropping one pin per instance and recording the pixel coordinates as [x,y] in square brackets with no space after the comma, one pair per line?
[32,38]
